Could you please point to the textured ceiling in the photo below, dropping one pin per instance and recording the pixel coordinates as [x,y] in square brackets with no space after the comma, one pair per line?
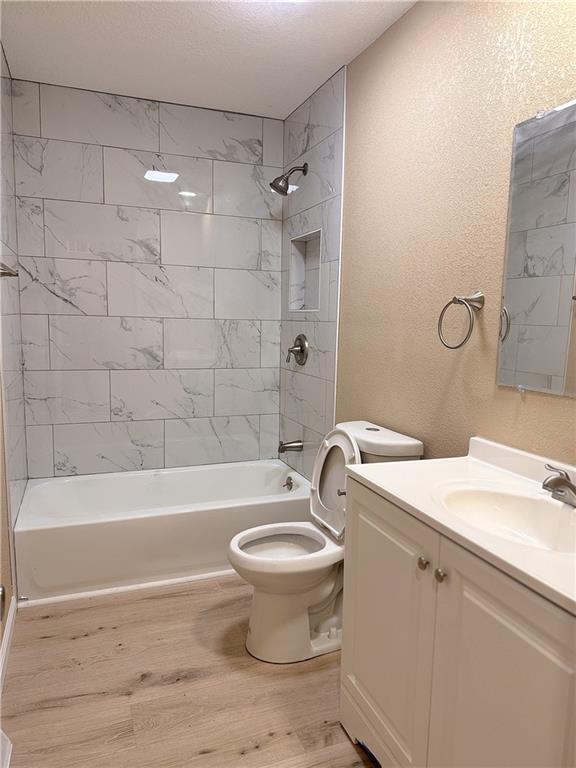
[261,58]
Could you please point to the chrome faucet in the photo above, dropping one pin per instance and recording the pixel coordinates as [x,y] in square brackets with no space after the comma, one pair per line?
[291,445]
[560,486]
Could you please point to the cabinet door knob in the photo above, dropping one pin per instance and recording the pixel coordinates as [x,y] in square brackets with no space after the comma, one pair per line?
[423,563]
[440,575]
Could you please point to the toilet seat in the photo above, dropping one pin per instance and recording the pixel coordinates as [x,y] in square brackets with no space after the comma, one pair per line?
[327,491]
[323,551]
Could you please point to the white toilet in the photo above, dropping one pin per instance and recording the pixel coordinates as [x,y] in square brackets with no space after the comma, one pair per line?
[296,568]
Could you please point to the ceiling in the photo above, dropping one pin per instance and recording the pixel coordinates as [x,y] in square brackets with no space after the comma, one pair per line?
[263,58]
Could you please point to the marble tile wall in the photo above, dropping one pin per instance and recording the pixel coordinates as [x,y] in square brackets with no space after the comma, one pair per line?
[150,311]
[313,133]
[10,332]
[541,259]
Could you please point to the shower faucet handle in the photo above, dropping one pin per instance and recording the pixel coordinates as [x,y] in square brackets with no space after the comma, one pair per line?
[299,349]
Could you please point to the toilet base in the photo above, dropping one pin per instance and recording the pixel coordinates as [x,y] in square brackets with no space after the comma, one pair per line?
[285,628]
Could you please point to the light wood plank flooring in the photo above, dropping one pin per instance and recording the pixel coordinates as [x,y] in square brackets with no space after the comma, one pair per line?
[160,678]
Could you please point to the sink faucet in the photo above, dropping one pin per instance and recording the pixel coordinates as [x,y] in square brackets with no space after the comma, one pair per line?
[560,486]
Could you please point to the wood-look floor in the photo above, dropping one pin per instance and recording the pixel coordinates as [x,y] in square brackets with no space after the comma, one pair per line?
[160,678]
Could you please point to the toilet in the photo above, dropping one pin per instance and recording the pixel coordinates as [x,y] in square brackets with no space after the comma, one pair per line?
[296,569]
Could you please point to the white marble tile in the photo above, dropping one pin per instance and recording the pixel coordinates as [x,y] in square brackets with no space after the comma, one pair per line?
[312,441]
[13,398]
[108,447]
[30,224]
[271,256]
[314,120]
[541,252]
[522,165]
[566,302]
[324,178]
[240,392]
[211,344]
[9,288]
[58,169]
[98,118]
[7,183]
[11,344]
[82,343]
[148,290]
[66,397]
[542,349]
[124,181]
[247,294]
[35,342]
[40,451]
[555,152]
[211,441]
[104,232]
[8,229]
[244,190]
[62,286]
[270,341]
[26,108]
[540,203]
[533,300]
[571,212]
[273,143]
[304,399]
[205,240]
[209,133]
[269,436]
[141,395]
[6,122]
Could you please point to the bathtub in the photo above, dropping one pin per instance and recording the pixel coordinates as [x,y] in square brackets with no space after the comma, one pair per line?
[96,532]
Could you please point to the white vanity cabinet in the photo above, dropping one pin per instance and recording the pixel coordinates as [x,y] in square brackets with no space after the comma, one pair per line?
[473,669]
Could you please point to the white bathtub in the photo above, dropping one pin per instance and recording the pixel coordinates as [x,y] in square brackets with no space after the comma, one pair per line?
[81,534]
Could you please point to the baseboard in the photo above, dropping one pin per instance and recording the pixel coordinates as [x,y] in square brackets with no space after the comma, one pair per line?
[7,639]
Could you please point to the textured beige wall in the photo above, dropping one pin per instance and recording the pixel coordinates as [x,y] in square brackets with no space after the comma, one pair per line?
[431,107]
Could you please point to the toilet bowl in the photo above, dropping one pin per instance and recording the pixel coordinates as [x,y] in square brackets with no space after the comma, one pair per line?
[296,569]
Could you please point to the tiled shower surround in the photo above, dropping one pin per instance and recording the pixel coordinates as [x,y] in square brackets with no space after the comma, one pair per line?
[150,310]
[11,343]
[313,133]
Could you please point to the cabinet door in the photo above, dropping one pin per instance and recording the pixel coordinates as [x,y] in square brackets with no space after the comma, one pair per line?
[504,671]
[389,605]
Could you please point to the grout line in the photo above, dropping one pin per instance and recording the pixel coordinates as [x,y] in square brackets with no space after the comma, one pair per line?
[151,208]
[131,150]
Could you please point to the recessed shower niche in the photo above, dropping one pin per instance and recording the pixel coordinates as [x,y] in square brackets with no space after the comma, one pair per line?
[304,293]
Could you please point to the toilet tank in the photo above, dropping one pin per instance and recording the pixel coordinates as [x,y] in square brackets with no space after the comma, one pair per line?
[379,444]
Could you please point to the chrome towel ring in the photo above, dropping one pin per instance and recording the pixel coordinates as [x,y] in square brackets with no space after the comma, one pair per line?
[473,304]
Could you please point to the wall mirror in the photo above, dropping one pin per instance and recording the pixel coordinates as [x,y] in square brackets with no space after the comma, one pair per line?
[538,328]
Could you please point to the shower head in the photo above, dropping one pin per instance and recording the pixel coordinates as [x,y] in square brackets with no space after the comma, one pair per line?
[280,183]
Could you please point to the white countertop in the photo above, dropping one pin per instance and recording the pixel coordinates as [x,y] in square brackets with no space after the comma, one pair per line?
[415,486]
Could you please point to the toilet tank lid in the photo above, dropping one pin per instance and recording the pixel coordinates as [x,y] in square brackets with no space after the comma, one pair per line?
[380,441]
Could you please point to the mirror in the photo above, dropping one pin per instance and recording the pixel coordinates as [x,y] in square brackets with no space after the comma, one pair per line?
[538,328]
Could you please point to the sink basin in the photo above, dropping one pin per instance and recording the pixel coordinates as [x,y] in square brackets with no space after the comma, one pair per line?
[534,521]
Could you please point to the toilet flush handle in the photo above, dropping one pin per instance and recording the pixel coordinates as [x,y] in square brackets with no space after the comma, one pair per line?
[340,492]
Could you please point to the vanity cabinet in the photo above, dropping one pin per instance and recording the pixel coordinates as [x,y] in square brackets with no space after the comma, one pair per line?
[447,661]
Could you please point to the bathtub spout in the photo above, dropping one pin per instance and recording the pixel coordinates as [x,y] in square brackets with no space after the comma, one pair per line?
[291,445]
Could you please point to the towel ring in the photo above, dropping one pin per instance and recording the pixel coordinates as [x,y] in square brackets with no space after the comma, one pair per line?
[473,304]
